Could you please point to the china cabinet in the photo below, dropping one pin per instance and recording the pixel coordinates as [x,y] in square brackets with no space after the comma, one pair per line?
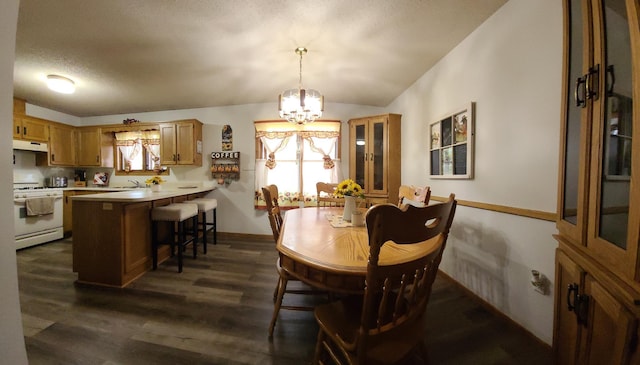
[597,296]
[374,155]
[181,143]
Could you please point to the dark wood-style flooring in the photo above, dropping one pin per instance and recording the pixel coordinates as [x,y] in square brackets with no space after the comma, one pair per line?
[217,312]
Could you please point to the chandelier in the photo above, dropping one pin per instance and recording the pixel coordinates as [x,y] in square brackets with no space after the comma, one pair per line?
[300,106]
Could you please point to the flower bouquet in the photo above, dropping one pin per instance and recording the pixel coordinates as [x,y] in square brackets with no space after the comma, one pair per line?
[154,182]
[348,187]
[349,190]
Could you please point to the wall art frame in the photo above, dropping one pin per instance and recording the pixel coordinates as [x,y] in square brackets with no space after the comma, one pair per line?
[451,144]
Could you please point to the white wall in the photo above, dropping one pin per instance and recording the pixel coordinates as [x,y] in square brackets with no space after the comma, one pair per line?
[12,347]
[511,66]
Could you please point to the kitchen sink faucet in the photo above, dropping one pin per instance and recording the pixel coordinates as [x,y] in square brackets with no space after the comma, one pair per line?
[135,182]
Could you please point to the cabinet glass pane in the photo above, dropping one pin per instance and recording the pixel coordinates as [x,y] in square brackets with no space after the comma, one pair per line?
[615,179]
[378,156]
[573,124]
[360,154]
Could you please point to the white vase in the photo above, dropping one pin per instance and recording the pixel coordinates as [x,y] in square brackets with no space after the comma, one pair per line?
[349,207]
[156,187]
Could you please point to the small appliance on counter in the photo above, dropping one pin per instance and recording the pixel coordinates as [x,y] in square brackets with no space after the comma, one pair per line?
[80,178]
[56,182]
[101,179]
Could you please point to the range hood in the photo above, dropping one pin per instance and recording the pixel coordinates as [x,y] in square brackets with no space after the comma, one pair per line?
[30,146]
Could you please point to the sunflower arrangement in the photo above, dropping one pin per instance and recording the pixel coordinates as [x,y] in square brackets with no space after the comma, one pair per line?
[154,180]
[349,187]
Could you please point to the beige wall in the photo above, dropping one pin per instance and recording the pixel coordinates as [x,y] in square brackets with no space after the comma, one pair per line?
[511,66]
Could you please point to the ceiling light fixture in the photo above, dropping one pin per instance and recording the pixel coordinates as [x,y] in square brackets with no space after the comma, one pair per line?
[300,106]
[60,84]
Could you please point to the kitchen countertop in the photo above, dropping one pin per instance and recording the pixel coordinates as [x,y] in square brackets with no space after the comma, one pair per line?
[129,195]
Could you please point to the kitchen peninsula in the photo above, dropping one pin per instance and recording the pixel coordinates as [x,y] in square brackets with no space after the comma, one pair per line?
[112,232]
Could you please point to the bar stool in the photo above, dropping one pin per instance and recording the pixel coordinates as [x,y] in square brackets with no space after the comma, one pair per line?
[205,205]
[175,213]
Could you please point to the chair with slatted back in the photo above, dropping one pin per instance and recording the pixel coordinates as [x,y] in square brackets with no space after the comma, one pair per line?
[387,324]
[270,194]
[325,195]
[275,220]
[410,195]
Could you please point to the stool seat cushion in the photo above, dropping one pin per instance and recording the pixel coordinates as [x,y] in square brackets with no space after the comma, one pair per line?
[174,212]
[204,204]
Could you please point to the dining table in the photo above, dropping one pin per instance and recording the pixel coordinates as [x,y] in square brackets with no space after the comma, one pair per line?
[320,248]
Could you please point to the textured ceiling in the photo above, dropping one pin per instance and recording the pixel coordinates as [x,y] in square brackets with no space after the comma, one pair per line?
[131,56]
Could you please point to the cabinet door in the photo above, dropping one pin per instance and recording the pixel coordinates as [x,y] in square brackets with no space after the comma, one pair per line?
[185,140]
[358,156]
[62,145]
[378,160]
[168,151]
[614,222]
[611,335]
[575,126]
[17,127]
[67,212]
[88,146]
[569,279]
[34,129]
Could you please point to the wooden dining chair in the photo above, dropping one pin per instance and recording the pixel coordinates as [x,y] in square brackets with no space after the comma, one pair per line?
[410,195]
[388,323]
[275,220]
[325,196]
[270,193]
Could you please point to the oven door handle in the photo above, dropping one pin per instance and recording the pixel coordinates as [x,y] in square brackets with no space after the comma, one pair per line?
[22,200]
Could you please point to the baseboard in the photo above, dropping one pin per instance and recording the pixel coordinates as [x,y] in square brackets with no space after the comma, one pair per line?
[245,236]
[486,305]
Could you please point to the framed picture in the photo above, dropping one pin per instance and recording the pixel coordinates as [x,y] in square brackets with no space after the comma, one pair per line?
[451,147]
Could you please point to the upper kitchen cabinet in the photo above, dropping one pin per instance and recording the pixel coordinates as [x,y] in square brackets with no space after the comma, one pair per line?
[374,155]
[62,151]
[30,128]
[598,210]
[181,143]
[93,147]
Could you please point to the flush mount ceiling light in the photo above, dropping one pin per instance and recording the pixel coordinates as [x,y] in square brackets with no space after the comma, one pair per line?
[300,106]
[60,84]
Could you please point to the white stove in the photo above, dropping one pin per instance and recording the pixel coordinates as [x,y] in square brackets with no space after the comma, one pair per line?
[42,222]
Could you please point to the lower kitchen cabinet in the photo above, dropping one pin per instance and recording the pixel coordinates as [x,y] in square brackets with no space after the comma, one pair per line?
[592,326]
[67,216]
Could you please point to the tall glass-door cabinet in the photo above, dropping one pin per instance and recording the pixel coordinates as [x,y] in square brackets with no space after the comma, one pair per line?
[374,156]
[597,296]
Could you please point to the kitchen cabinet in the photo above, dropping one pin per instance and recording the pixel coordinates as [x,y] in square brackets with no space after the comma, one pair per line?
[93,147]
[30,128]
[67,216]
[597,294]
[181,143]
[374,155]
[62,151]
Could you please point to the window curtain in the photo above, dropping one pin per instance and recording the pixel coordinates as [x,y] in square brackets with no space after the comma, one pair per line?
[130,145]
[317,146]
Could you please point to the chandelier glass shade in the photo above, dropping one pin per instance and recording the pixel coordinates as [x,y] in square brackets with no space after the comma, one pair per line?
[300,106]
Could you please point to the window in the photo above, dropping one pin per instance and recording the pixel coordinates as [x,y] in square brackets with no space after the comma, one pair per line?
[138,151]
[295,158]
